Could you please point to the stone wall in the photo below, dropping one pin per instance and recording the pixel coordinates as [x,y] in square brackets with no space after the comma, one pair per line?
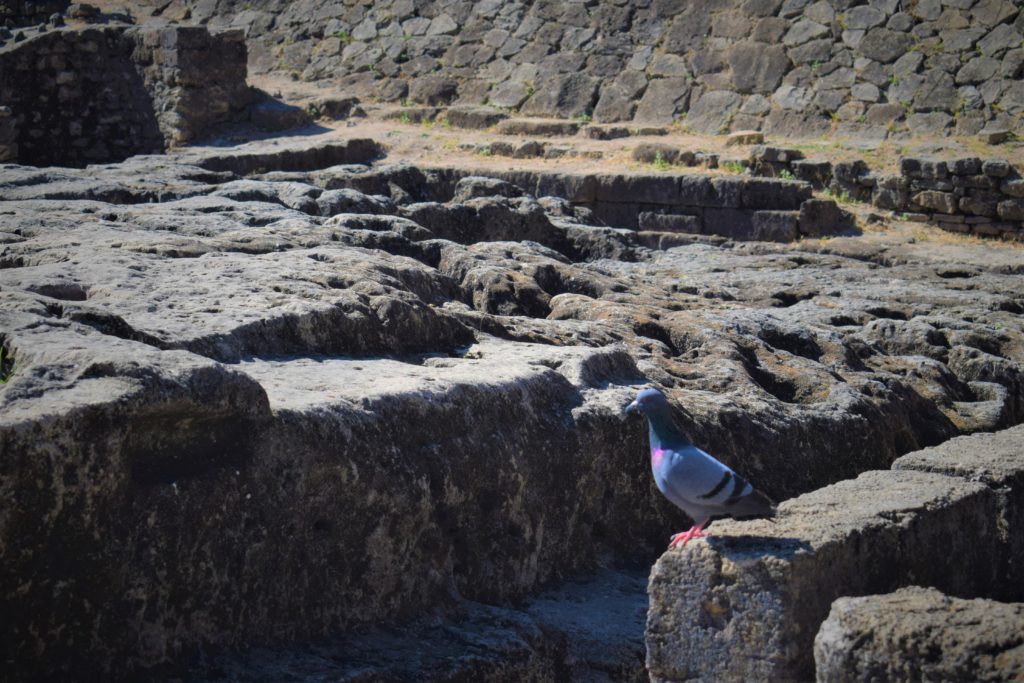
[27,12]
[872,68]
[105,93]
[960,194]
[660,206]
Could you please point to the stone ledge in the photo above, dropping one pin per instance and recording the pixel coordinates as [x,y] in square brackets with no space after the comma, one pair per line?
[746,604]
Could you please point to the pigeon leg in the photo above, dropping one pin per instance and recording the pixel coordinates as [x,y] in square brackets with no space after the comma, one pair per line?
[684,537]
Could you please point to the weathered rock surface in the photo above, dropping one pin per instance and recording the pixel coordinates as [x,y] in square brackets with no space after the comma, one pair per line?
[273,393]
[746,604]
[920,634]
[997,460]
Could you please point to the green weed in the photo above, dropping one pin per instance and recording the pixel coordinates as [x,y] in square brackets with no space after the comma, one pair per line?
[6,366]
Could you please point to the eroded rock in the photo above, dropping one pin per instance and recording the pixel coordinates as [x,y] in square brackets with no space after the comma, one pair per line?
[884,637]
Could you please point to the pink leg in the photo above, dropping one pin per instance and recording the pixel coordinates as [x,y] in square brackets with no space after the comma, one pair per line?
[683,537]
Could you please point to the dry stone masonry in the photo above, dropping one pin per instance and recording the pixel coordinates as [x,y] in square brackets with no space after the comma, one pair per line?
[76,96]
[790,67]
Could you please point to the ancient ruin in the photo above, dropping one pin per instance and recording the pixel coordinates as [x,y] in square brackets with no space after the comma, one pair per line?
[318,320]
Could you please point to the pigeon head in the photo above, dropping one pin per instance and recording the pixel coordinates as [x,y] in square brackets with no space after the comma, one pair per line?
[649,402]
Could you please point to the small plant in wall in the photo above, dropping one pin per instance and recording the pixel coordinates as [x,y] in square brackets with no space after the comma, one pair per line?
[660,163]
[786,174]
[6,365]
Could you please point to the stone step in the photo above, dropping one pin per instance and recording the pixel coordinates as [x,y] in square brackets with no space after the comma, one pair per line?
[475,118]
[550,128]
[300,156]
[919,634]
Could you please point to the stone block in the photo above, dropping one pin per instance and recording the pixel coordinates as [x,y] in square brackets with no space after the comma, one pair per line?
[775,154]
[1011,209]
[642,189]
[816,172]
[1013,187]
[994,136]
[919,634]
[980,203]
[538,127]
[823,217]
[745,604]
[995,459]
[475,118]
[769,193]
[744,137]
[652,152]
[666,222]
[606,132]
[944,202]
[997,168]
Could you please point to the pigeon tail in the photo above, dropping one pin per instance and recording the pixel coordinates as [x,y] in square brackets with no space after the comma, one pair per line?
[751,506]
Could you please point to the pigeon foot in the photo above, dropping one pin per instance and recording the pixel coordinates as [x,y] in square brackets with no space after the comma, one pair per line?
[684,537]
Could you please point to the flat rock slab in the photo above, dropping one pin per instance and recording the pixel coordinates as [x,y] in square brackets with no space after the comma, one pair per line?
[919,634]
[745,604]
[997,460]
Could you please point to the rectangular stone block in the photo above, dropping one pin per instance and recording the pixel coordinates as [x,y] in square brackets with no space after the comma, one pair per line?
[643,189]
[659,222]
[696,190]
[943,202]
[1012,209]
[745,604]
[996,460]
[772,194]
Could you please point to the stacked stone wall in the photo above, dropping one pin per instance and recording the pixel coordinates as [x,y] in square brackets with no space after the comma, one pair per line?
[27,12]
[873,69]
[99,94]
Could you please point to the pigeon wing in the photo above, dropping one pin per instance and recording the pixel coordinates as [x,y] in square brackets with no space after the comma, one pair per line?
[704,487]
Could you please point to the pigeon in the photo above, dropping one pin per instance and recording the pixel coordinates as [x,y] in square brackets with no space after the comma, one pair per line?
[691,479]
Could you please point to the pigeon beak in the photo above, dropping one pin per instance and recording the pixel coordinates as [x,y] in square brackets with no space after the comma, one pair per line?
[633,407]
